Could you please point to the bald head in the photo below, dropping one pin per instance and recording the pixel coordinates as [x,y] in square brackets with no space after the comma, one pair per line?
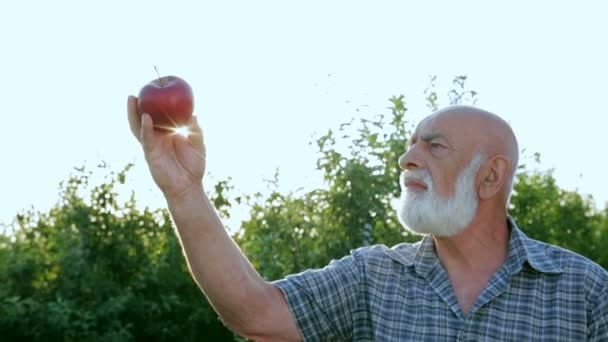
[487,132]
[473,130]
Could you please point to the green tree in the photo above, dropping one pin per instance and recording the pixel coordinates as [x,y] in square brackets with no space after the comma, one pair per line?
[99,270]
[564,218]
[288,233]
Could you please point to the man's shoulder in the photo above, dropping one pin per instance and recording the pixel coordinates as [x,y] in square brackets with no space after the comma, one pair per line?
[573,263]
[403,253]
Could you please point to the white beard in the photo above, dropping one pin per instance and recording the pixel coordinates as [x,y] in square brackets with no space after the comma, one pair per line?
[427,213]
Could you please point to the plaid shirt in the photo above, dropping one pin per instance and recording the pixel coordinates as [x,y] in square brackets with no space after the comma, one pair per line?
[541,293]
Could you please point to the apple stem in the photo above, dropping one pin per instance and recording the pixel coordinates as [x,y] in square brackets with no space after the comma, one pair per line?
[160,79]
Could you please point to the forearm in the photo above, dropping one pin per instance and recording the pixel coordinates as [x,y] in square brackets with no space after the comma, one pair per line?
[224,274]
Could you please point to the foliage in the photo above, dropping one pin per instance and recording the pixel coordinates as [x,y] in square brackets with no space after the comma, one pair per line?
[556,216]
[101,271]
[355,208]
[289,233]
[96,269]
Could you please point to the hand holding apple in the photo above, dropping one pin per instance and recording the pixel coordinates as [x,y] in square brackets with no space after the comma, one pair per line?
[169,102]
[176,161]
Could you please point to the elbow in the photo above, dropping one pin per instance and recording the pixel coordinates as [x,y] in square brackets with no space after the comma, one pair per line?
[245,329]
[238,329]
[244,318]
[240,323]
[264,319]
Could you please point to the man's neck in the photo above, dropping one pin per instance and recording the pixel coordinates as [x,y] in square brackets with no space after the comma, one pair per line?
[472,257]
[480,249]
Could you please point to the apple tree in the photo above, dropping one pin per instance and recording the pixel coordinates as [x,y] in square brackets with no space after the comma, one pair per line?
[96,269]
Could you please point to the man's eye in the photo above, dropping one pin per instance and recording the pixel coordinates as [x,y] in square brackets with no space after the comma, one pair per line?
[435,145]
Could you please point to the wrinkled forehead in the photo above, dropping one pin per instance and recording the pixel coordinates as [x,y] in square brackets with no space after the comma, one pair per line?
[439,124]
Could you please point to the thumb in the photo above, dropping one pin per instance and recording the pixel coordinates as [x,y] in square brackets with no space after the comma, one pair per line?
[134,117]
[147,133]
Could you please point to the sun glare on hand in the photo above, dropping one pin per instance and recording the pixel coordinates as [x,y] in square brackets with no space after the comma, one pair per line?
[183,131]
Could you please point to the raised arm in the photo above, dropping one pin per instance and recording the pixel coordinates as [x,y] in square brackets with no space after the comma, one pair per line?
[246,303]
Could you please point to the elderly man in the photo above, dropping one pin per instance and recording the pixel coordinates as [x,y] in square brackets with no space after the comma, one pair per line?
[474,275]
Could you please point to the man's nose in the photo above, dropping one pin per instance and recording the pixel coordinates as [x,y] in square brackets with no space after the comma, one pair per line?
[409,160]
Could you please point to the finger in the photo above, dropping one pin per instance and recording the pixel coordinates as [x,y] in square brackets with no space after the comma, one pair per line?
[147,133]
[134,117]
[196,133]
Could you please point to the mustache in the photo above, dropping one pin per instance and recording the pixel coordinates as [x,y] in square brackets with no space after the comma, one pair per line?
[421,176]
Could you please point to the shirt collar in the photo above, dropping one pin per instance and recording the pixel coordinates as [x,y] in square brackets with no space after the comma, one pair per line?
[522,250]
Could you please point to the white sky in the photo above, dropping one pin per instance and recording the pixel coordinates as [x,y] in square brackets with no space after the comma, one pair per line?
[267,75]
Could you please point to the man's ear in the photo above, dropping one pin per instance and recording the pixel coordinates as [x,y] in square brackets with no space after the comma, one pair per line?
[493,176]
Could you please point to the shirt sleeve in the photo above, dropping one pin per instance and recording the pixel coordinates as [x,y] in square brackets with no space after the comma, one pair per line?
[598,328]
[322,301]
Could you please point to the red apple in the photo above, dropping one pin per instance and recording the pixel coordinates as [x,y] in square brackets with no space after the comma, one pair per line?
[168,100]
